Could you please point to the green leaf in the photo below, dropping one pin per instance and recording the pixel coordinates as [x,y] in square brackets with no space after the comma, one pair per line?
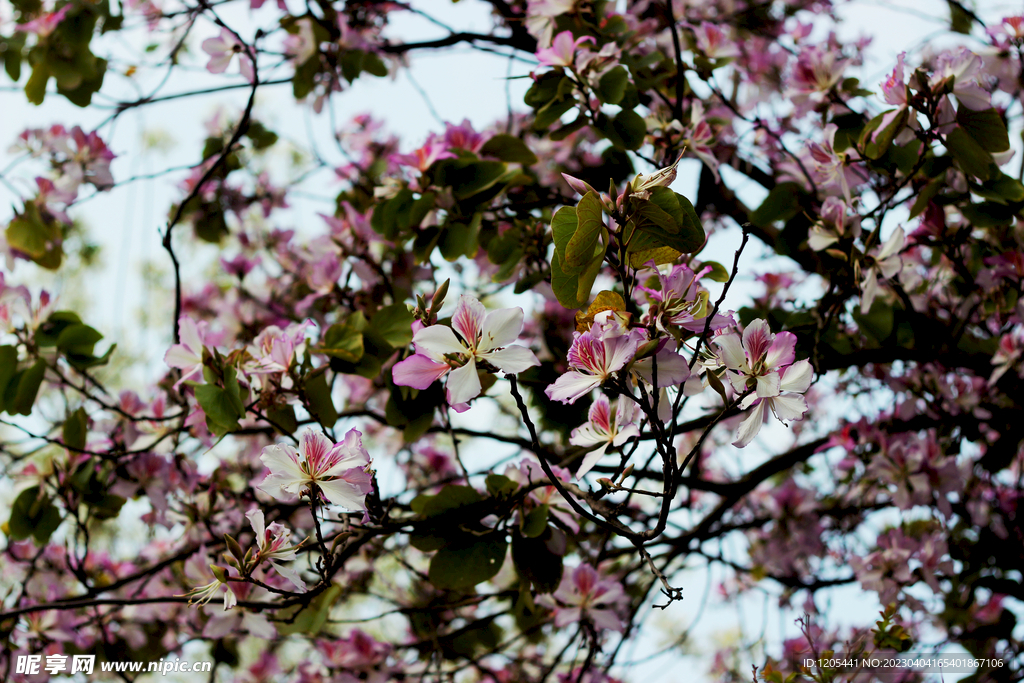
[926,195]
[283,419]
[959,20]
[450,497]
[718,272]
[461,239]
[458,566]
[78,339]
[877,148]
[318,396]
[76,427]
[536,522]
[345,339]
[986,127]
[552,112]
[988,214]
[579,251]
[28,388]
[544,89]
[877,324]
[573,290]
[563,227]
[310,619]
[509,148]
[391,326]
[630,129]
[1002,189]
[220,407]
[29,233]
[612,85]
[35,88]
[374,65]
[8,367]
[468,177]
[536,562]
[500,486]
[973,159]
[781,204]
[33,514]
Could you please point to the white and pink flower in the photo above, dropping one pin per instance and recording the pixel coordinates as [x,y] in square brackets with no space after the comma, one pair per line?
[606,427]
[593,357]
[188,355]
[223,49]
[563,50]
[338,470]
[272,546]
[475,336]
[583,594]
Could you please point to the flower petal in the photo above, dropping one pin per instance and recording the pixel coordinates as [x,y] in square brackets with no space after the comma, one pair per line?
[463,383]
[513,359]
[468,319]
[570,386]
[797,377]
[418,372]
[731,351]
[349,490]
[788,407]
[439,340]
[591,459]
[500,328]
[750,426]
[782,351]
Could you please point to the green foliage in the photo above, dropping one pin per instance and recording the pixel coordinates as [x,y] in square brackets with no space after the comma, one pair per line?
[538,559]
[781,204]
[33,514]
[36,236]
[222,405]
[76,427]
[318,399]
[309,619]
[612,86]
[465,562]
[971,156]
[509,148]
[449,498]
[986,127]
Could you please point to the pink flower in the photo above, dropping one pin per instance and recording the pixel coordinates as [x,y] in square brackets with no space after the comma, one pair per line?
[756,362]
[273,350]
[885,261]
[594,355]
[711,40]
[188,355]
[681,301]
[583,594]
[478,336]
[787,405]
[831,167]
[463,136]
[764,362]
[222,49]
[44,25]
[964,68]
[606,427]
[338,470]
[423,158]
[562,51]
[272,546]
